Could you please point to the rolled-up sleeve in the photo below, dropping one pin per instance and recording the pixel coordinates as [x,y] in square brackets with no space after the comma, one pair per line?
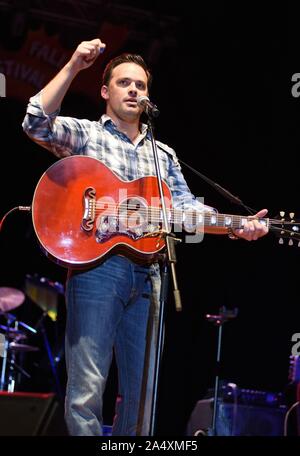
[63,136]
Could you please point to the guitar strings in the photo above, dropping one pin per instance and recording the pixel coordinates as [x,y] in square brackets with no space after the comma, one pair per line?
[176,213]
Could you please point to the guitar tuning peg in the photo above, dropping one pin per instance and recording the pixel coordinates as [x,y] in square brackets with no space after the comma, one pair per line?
[281,241]
[282,213]
[291,242]
[292,215]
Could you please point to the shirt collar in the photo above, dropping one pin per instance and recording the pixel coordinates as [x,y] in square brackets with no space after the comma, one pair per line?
[107,120]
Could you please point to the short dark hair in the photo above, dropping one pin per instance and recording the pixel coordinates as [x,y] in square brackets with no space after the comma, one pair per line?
[125,58]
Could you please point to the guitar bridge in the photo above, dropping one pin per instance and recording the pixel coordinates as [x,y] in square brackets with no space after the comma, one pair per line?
[89,205]
[109,226]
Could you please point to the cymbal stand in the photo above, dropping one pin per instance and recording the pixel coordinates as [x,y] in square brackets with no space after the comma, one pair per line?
[11,373]
[13,365]
[10,319]
[41,325]
[9,358]
[4,362]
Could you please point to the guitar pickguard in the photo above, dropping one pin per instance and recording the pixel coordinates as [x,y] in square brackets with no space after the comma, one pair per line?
[132,220]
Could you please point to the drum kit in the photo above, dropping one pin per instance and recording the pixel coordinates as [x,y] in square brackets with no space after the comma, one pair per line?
[14,333]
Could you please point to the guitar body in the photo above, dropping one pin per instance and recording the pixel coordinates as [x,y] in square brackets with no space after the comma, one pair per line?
[78,197]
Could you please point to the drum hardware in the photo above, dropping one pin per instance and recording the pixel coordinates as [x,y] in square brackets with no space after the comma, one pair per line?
[13,333]
[11,298]
[16,347]
[44,293]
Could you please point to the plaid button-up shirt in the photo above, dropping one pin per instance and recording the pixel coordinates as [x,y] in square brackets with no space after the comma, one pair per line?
[101,139]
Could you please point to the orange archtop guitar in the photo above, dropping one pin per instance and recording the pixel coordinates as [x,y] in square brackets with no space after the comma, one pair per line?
[82,211]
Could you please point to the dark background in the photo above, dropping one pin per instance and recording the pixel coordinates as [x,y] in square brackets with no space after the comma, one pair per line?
[222,80]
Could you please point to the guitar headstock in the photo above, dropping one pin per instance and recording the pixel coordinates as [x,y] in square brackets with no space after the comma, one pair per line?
[288,229]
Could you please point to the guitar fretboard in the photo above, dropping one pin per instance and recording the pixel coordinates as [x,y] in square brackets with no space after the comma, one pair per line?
[178,216]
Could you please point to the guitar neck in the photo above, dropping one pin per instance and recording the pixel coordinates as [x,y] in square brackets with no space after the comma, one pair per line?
[211,222]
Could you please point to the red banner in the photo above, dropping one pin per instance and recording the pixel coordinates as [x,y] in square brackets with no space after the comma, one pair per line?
[30,68]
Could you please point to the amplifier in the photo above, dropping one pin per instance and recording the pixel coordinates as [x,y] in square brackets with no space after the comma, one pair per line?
[231,393]
[234,419]
[31,414]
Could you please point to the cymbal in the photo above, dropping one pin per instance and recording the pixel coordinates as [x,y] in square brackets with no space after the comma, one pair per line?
[44,282]
[22,347]
[10,298]
[13,332]
[44,293]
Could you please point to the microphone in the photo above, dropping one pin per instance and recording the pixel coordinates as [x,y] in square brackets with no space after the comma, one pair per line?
[150,108]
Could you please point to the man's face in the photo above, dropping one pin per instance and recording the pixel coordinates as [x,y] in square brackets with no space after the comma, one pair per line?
[128,81]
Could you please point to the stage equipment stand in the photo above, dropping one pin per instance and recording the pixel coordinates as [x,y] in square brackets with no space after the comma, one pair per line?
[219,320]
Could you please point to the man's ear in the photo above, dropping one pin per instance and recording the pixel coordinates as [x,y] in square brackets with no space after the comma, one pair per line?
[104,92]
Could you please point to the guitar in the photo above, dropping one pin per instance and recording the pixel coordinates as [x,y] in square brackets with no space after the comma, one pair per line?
[82,211]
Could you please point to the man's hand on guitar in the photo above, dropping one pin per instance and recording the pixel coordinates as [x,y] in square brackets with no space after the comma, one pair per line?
[253,229]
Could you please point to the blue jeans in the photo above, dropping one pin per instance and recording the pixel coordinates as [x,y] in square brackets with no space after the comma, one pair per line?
[108,309]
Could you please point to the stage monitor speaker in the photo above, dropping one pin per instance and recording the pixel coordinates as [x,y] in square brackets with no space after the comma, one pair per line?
[31,414]
[236,419]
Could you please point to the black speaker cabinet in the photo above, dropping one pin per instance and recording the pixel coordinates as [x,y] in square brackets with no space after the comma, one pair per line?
[31,414]
[236,419]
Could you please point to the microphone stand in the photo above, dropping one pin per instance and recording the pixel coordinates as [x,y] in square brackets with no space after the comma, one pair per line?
[219,320]
[169,260]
